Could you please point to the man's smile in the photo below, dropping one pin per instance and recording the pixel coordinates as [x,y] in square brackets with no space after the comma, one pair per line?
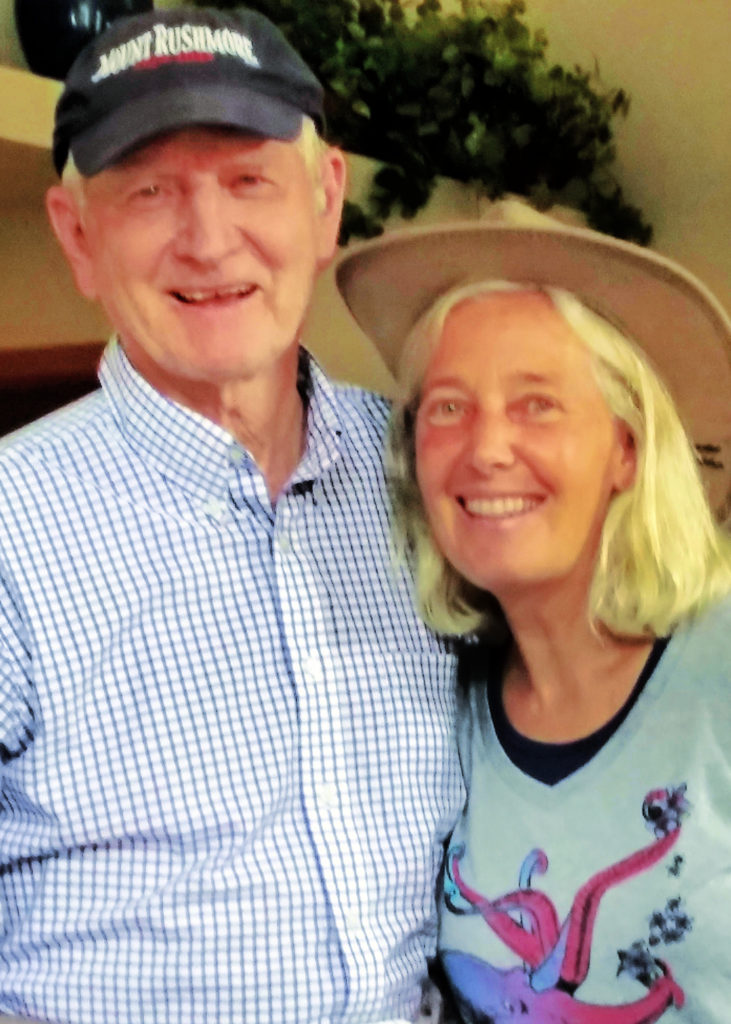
[213,296]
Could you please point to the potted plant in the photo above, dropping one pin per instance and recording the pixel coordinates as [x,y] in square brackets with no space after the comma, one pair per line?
[470,96]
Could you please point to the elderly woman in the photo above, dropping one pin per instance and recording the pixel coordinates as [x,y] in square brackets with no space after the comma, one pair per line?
[546,490]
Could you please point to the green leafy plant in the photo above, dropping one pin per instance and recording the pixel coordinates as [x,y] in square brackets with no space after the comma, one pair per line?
[470,96]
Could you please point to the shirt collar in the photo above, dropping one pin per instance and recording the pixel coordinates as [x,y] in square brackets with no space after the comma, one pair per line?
[193,451]
[324,429]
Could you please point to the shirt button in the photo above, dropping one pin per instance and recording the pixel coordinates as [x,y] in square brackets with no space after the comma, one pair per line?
[352,918]
[327,794]
[283,542]
[236,455]
[214,508]
[312,669]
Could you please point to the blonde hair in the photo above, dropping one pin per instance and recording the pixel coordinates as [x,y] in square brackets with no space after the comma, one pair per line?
[662,557]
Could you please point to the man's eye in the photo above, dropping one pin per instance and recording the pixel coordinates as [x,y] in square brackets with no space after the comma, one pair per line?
[146,192]
[247,182]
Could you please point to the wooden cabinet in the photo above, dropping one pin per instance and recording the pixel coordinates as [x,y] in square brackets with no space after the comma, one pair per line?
[39,305]
[50,338]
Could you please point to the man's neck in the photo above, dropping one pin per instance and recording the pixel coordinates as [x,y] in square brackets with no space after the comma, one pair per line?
[265,413]
[270,424]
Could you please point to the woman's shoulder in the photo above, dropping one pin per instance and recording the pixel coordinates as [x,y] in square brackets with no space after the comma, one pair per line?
[706,638]
[713,621]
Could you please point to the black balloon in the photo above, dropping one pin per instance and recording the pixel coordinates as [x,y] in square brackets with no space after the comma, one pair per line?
[53,32]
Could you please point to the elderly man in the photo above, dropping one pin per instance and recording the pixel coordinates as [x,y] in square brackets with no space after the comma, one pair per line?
[227,768]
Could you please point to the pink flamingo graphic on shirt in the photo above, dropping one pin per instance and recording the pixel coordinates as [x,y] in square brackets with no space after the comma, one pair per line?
[556,956]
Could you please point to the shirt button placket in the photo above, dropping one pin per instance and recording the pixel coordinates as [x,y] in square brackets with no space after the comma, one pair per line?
[284,527]
[214,508]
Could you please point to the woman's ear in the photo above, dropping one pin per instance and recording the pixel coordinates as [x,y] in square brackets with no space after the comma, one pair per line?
[65,213]
[625,468]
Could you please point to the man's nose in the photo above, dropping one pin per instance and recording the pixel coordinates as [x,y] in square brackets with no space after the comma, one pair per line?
[207,228]
[493,440]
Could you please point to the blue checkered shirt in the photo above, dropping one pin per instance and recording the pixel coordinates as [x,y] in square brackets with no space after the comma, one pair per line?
[226,764]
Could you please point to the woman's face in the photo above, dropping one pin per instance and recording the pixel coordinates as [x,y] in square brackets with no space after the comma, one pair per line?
[517,453]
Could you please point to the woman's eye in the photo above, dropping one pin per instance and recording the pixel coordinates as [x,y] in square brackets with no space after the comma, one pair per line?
[535,405]
[445,411]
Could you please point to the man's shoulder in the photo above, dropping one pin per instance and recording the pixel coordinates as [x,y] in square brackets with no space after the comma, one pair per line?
[73,433]
[361,408]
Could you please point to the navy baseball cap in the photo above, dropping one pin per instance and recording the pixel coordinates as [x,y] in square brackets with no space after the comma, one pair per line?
[166,70]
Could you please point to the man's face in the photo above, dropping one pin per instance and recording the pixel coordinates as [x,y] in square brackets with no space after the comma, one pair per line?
[202,248]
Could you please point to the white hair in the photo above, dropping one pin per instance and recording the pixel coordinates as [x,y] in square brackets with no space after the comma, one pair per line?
[310,144]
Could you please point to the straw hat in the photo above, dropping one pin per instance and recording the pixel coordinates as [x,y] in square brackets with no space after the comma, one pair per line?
[389,282]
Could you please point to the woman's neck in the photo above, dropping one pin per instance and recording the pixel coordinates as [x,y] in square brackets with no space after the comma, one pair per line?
[563,679]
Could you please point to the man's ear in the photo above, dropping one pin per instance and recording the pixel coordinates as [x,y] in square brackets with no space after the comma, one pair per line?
[332,196]
[64,212]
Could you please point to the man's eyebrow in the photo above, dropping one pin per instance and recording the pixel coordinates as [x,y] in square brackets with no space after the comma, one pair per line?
[128,162]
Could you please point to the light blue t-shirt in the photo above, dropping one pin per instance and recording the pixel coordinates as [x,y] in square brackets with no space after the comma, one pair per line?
[606,898]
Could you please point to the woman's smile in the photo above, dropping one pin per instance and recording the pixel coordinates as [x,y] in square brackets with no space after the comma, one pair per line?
[499,507]
[518,455]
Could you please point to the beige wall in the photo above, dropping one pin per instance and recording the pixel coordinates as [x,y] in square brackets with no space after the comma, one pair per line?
[674,150]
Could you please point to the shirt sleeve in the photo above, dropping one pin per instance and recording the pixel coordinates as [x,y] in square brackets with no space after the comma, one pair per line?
[18,703]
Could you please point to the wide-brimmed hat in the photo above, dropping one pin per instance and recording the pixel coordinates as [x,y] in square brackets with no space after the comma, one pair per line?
[167,70]
[388,283]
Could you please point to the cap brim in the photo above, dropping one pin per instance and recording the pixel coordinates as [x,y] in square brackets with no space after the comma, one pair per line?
[390,282]
[143,118]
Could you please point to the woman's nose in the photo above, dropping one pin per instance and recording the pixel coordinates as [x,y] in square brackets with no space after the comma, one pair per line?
[492,441]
